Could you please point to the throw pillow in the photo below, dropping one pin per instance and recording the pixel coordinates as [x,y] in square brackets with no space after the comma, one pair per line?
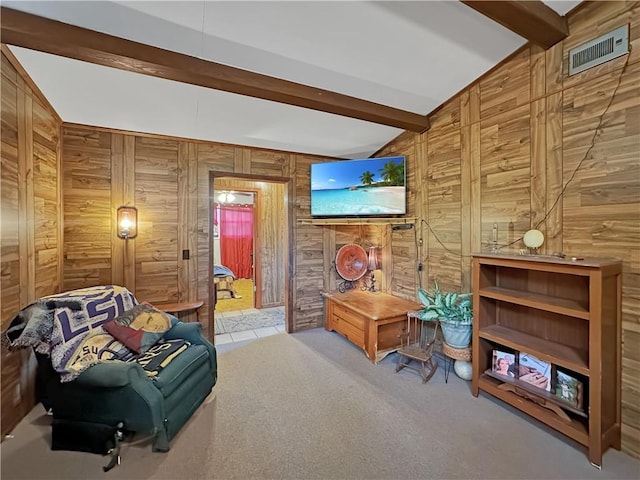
[139,328]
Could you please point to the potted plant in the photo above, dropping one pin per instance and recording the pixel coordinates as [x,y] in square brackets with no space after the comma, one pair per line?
[454,310]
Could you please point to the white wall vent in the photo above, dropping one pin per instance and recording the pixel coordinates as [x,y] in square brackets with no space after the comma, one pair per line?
[600,50]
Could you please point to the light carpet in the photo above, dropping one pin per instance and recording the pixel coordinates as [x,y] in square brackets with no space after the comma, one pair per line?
[311,406]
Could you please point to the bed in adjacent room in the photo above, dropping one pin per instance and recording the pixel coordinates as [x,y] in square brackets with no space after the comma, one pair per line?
[223,279]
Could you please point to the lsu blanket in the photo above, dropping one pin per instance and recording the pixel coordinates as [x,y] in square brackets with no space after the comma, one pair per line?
[68,328]
[154,360]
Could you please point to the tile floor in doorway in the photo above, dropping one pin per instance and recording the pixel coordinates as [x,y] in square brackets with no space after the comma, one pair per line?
[241,325]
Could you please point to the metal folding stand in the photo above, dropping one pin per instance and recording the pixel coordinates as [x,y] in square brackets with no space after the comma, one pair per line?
[451,354]
[448,362]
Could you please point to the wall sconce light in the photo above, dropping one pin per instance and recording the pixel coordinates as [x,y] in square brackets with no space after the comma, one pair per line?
[127,222]
[373,263]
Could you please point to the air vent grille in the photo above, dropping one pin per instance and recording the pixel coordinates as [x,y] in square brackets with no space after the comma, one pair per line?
[593,53]
[599,50]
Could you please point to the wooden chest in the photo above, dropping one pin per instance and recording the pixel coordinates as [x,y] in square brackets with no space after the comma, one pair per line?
[372,321]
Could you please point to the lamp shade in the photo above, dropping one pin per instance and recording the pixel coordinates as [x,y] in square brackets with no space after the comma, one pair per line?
[127,222]
[373,262]
[533,238]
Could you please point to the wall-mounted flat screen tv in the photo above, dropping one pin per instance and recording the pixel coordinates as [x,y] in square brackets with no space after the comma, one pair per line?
[367,187]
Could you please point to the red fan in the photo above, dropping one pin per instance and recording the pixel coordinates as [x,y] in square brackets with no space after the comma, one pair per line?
[351,262]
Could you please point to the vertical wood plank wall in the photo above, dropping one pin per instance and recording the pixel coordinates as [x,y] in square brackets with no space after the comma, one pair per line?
[242,161]
[167,180]
[89,220]
[307,254]
[503,150]
[156,198]
[499,152]
[31,243]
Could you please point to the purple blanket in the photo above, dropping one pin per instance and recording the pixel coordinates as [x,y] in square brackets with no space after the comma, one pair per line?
[68,328]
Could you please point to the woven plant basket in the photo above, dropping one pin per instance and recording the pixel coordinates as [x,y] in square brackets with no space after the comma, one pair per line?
[463,354]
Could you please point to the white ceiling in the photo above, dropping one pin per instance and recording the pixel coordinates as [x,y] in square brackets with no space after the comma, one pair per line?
[411,55]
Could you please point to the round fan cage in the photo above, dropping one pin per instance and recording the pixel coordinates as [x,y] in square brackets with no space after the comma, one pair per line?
[351,265]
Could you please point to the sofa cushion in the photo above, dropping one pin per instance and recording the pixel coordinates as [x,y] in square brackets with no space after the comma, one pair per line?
[140,327]
[160,355]
[180,368]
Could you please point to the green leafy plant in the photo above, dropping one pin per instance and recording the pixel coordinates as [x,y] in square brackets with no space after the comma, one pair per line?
[448,307]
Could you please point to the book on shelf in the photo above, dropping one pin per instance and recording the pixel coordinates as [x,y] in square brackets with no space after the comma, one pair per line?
[534,371]
[569,389]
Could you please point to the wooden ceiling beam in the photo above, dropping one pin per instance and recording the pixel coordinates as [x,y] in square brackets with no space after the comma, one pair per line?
[50,36]
[530,19]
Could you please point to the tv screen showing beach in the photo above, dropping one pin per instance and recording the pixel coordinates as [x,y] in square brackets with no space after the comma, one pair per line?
[373,186]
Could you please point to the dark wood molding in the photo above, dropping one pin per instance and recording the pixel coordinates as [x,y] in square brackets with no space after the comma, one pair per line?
[50,36]
[532,19]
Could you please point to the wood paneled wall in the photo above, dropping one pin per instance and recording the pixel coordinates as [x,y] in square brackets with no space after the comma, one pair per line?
[168,180]
[307,258]
[31,240]
[255,169]
[88,219]
[502,151]
[156,180]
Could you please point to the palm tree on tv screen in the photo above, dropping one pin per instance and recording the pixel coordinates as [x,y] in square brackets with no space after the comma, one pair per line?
[393,173]
[367,178]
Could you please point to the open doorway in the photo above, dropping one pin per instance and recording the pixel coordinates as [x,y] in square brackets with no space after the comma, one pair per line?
[234,247]
[249,254]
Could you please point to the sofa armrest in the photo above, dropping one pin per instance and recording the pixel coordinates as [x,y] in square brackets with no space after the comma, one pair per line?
[112,373]
[192,332]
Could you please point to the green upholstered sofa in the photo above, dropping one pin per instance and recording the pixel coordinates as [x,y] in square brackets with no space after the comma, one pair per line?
[83,382]
[115,391]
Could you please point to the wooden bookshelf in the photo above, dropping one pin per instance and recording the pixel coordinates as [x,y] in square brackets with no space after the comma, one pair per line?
[566,313]
[536,393]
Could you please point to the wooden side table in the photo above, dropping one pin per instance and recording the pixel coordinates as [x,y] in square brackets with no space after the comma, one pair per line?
[181,308]
[372,321]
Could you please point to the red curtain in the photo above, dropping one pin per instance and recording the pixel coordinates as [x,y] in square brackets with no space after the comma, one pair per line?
[236,239]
